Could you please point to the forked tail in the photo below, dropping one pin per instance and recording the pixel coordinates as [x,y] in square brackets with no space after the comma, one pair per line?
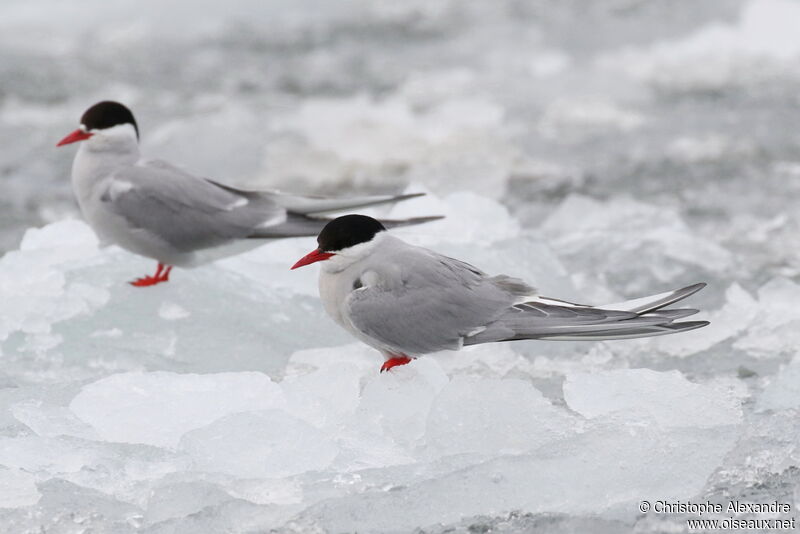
[551,319]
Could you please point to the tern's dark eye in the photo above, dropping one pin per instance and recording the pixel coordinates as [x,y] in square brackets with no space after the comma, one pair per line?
[357,284]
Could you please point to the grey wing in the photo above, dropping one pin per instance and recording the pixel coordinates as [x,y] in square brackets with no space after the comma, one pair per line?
[429,302]
[308,205]
[541,319]
[300,225]
[187,212]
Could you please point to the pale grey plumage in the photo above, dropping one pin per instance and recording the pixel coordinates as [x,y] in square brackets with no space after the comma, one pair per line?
[310,204]
[403,299]
[187,212]
[431,303]
[155,209]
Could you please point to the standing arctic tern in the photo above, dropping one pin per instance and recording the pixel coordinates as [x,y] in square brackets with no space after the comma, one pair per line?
[407,301]
[160,211]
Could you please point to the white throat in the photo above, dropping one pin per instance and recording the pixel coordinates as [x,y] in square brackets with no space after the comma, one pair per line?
[120,139]
[345,258]
[99,156]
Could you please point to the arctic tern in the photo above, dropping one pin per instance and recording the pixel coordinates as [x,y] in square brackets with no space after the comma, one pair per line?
[157,210]
[406,301]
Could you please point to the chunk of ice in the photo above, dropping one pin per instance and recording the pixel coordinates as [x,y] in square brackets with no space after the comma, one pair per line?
[782,390]
[630,464]
[589,228]
[179,499]
[268,444]
[736,316]
[395,403]
[665,399]
[49,420]
[492,417]
[17,488]
[172,312]
[775,329]
[158,408]
[34,287]
[469,218]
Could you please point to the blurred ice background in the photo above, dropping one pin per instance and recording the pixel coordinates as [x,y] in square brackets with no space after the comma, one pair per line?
[600,150]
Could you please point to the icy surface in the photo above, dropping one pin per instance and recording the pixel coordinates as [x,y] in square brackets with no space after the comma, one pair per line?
[665,399]
[783,390]
[601,151]
[158,408]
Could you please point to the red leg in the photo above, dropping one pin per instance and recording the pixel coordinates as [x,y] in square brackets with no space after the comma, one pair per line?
[162,275]
[394,361]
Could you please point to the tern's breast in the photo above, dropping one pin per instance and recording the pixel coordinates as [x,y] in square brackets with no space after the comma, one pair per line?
[334,288]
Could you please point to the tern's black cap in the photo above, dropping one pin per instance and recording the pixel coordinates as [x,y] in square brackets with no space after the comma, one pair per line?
[107,114]
[347,231]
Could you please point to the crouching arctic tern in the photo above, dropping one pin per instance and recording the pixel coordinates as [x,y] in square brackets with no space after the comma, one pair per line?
[160,211]
[407,301]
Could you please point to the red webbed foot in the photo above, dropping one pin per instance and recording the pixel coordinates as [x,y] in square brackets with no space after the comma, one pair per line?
[394,361]
[146,281]
[162,275]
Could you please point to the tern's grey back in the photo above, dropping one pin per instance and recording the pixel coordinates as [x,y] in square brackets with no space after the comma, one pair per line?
[188,212]
[421,301]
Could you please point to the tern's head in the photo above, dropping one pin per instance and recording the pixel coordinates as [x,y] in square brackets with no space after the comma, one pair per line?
[106,124]
[342,235]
